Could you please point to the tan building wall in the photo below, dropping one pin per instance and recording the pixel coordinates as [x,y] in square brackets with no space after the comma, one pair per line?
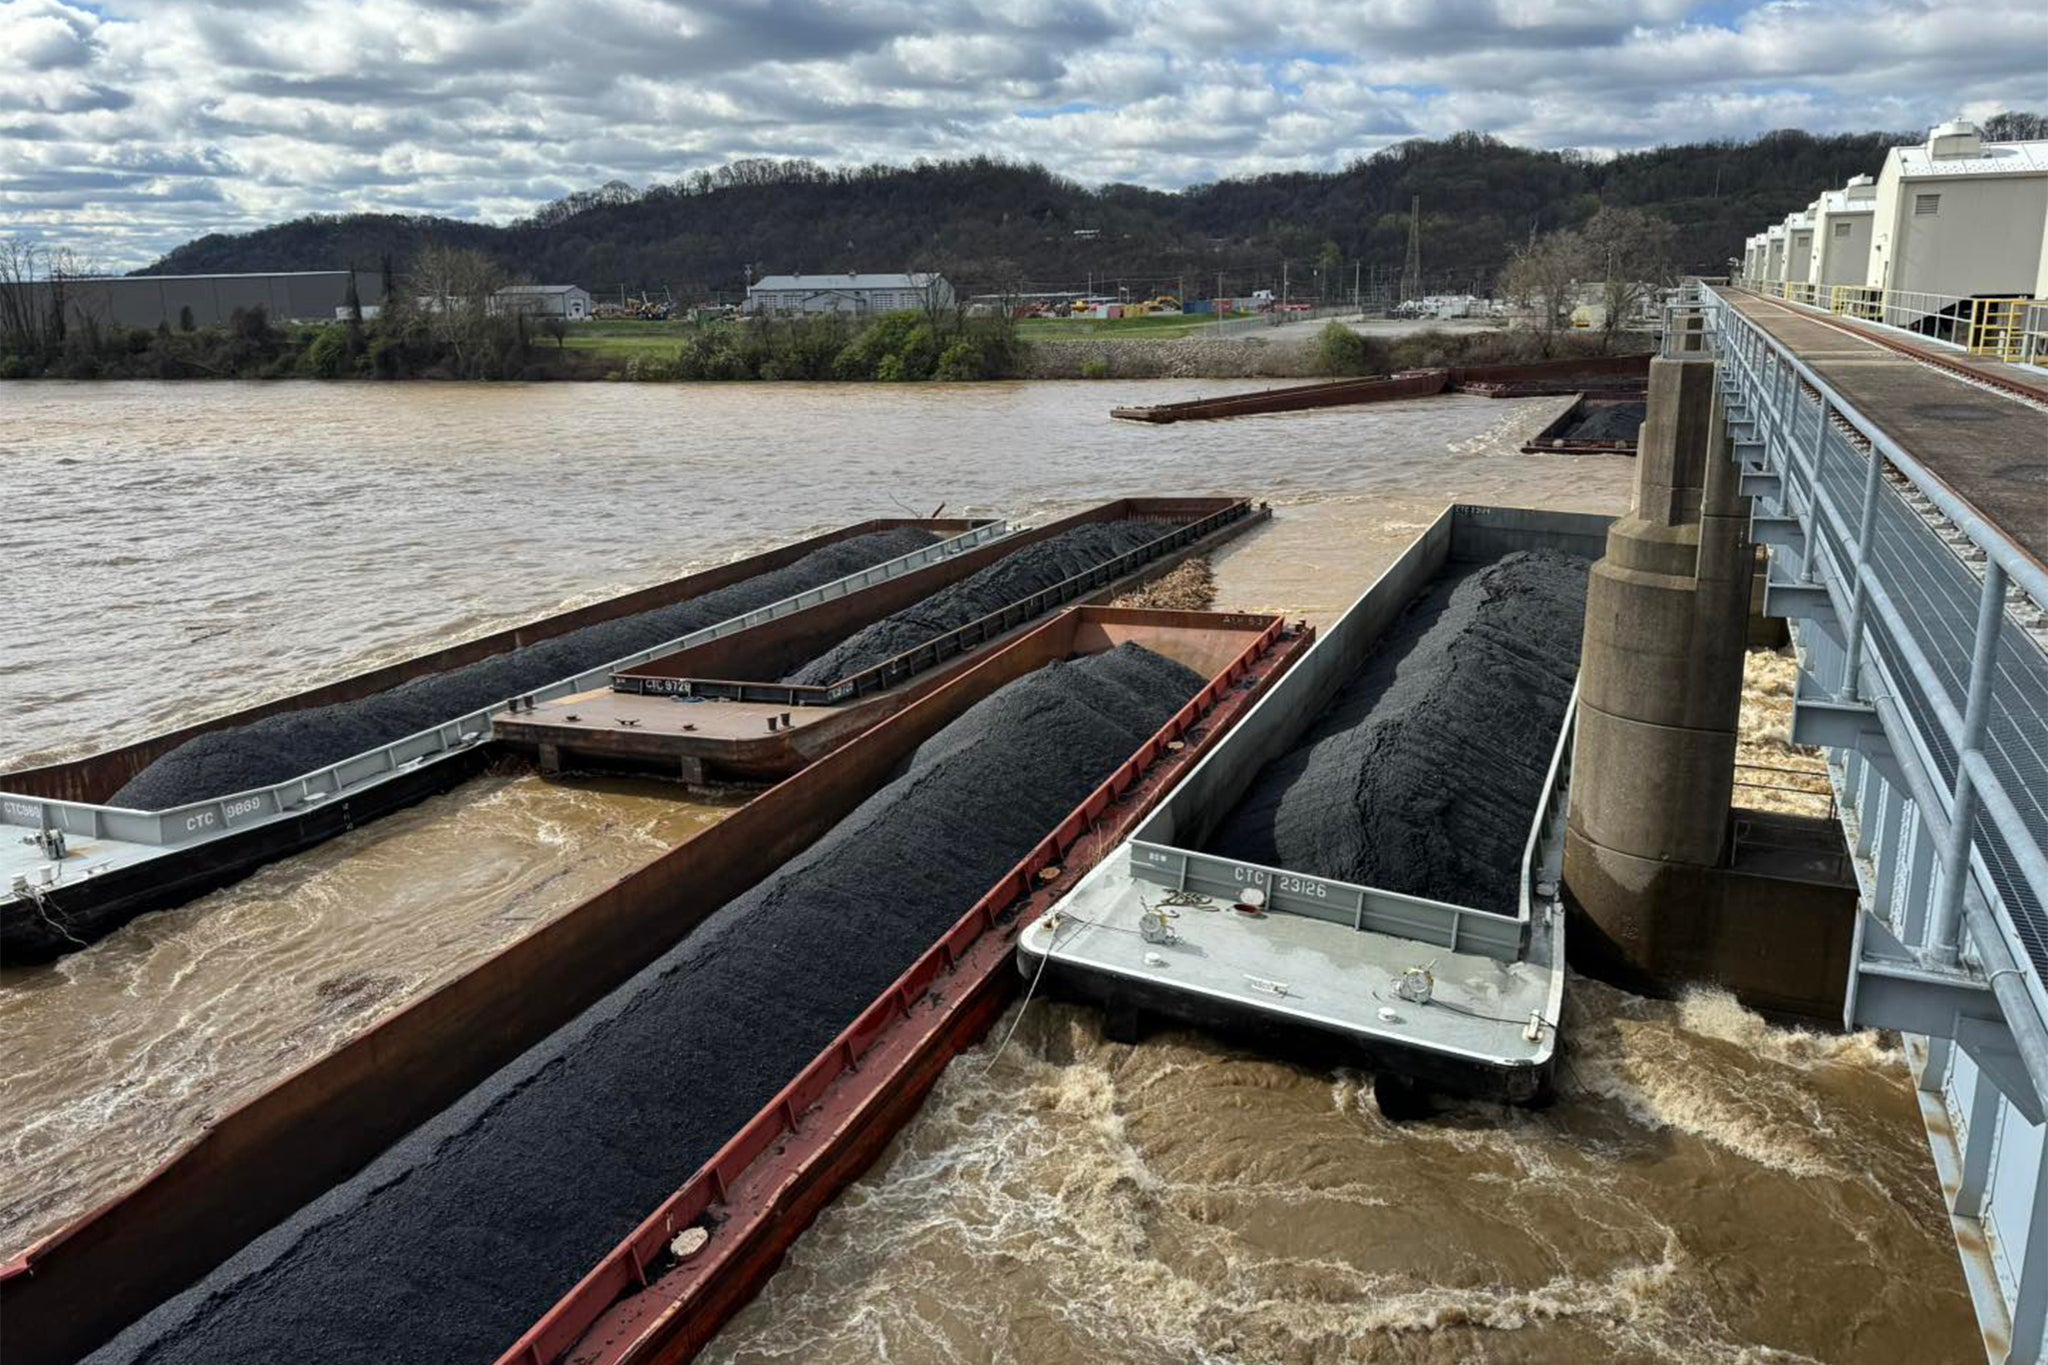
[1981,234]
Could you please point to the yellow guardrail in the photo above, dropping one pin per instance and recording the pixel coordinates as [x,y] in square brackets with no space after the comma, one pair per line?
[2010,328]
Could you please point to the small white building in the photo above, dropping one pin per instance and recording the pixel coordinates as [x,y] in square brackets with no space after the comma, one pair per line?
[1753,257]
[1841,233]
[1774,254]
[1799,243]
[543,301]
[858,293]
[1960,216]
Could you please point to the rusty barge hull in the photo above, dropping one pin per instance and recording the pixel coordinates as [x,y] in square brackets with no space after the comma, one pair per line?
[755,1197]
[1531,380]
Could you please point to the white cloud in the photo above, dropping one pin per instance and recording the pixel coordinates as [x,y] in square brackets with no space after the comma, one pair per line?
[130,126]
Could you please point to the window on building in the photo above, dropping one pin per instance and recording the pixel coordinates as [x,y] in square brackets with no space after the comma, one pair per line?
[1926,205]
[1842,229]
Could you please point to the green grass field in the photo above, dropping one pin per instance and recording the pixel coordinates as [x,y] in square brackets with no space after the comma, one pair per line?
[621,338]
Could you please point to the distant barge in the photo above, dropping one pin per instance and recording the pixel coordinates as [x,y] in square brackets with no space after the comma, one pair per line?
[1297,959]
[1604,374]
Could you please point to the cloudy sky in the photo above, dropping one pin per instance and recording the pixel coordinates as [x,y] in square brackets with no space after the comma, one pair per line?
[129,126]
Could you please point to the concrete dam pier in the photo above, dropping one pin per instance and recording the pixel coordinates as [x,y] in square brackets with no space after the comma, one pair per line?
[1649,858]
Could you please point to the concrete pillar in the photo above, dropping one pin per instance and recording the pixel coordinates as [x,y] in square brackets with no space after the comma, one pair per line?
[1667,614]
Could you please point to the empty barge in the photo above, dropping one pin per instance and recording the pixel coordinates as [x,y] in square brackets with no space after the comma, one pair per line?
[73,868]
[1535,379]
[1425,992]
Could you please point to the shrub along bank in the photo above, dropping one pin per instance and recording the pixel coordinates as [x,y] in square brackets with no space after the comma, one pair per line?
[444,345]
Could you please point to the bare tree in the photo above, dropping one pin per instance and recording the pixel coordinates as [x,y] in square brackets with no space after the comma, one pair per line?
[1633,251]
[451,289]
[24,311]
[1544,277]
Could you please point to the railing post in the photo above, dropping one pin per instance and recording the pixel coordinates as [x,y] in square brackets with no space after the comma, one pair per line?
[1852,687]
[1955,858]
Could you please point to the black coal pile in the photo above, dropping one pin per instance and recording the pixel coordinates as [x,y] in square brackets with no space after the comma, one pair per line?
[1010,579]
[1423,775]
[280,747]
[1606,422]
[495,1216]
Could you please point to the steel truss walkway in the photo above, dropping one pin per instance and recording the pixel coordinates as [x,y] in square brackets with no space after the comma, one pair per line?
[1905,507]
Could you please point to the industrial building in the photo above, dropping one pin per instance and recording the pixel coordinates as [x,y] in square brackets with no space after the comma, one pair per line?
[1799,243]
[1774,254]
[1960,216]
[543,301]
[1753,257]
[1841,233]
[208,300]
[857,293]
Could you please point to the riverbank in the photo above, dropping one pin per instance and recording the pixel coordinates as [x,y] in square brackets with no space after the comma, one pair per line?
[897,348]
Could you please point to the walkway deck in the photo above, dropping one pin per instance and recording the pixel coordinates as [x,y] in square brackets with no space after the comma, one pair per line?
[1990,449]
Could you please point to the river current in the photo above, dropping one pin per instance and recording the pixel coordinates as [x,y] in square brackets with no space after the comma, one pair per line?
[1707,1188]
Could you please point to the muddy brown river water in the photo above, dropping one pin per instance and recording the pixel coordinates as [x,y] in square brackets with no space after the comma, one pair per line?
[1708,1188]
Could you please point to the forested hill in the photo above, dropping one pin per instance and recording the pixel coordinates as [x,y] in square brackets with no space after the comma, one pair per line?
[991,224]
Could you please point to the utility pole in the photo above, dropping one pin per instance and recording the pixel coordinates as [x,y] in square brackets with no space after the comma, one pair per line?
[1218,304]
[1356,305]
[1283,286]
[1411,271]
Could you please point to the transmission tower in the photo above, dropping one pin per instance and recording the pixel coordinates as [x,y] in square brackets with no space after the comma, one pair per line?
[1411,270]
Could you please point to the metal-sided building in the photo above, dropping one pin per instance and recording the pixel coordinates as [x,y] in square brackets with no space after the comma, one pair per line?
[1960,217]
[1841,233]
[1753,257]
[1799,243]
[1774,254]
[146,300]
[859,293]
[543,301]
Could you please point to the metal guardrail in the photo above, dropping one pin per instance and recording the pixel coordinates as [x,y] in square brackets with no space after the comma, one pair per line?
[2012,328]
[1919,591]
[959,640]
[207,819]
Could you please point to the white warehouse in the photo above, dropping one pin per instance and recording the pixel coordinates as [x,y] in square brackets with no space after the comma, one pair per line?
[859,293]
[1841,233]
[1960,216]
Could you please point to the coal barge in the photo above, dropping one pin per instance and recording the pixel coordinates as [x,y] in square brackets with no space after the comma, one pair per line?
[761,706]
[74,868]
[327,1119]
[82,868]
[276,1153]
[1429,992]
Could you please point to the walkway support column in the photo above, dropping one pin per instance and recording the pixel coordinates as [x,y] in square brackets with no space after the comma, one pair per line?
[1667,613]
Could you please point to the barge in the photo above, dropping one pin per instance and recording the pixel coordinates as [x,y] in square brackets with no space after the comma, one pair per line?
[73,869]
[719,710]
[1535,379]
[262,1161]
[1427,993]
[700,1257]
